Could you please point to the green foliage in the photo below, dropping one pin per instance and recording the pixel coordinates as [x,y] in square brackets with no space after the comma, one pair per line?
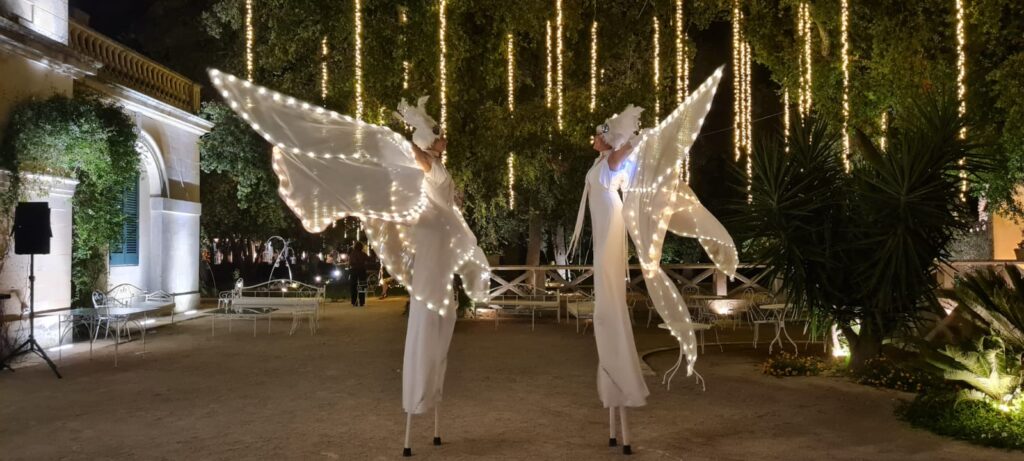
[993,374]
[786,364]
[87,139]
[974,421]
[995,301]
[887,373]
[239,190]
[860,248]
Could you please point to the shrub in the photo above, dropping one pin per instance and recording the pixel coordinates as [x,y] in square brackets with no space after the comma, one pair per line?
[884,372]
[975,421]
[786,364]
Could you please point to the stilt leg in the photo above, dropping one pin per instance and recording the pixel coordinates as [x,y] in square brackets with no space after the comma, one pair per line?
[626,449]
[407,451]
[612,442]
[437,425]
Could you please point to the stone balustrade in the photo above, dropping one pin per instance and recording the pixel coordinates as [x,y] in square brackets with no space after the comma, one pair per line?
[133,70]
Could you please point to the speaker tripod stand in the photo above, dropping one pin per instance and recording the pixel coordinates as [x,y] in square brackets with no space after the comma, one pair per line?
[30,346]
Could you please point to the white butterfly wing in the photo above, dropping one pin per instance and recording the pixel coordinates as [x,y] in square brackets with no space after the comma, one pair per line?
[329,165]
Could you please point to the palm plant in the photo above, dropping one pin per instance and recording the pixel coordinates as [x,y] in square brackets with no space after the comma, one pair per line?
[996,302]
[861,248]
[993,374]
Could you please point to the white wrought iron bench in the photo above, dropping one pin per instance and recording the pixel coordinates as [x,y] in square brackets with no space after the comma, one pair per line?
[276,297]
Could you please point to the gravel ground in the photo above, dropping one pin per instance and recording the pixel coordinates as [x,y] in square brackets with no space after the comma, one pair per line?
[511,394]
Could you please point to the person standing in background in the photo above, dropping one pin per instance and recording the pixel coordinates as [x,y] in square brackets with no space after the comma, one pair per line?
[357,262]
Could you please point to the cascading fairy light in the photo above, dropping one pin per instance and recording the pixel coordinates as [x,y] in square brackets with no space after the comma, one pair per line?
[359,58]
[559,81]
[845,38]
[656,63]
[884,125]
[742,91]
[593,66]
[324,76]
[511,57]
[511,181]
[682,66]
[443,65]
[403,19]
[549,82]
[250,36]
[961,85]
[804,25]
[785,119]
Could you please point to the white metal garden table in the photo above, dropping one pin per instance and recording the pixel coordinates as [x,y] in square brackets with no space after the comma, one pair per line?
[778,316]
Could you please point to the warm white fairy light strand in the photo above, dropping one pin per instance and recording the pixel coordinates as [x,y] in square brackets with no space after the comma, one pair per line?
[559,81]
[548,80]
[511,65]
[804,25]
[656,64]
[961,85]
[403,19]
[359,58]
[844,21]
[324,75]
[443,65]
[593,66]
[742,92]
[883,141]
[250,35]
[682,66]
[785,119]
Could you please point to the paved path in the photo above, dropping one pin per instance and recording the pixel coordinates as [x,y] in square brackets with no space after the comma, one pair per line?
[510,394]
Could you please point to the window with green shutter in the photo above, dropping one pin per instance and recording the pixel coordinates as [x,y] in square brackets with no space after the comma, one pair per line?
[126,253]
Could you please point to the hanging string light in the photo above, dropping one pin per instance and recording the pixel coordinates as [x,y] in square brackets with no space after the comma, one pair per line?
[845,38]
[884,124]
[593,66]
[742,92]
[804,24]
[657,70]
[250,36]
[443,66]
[323,70]
[559,81]
[961,86]
[549,82]
[682,66]
[359,58]
[785,119]
[403,19]
[511,180]
[510,56]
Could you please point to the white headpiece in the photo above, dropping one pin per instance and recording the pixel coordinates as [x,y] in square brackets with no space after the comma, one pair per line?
[620,127]
[425,129]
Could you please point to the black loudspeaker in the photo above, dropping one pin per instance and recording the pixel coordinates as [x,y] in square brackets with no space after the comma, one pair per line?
[32,228]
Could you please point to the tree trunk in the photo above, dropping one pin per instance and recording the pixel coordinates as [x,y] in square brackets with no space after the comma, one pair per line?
[533,247]
[865,345]
[561,253]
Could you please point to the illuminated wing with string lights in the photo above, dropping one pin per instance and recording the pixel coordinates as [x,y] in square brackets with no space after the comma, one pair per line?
[657,201]
[329,165]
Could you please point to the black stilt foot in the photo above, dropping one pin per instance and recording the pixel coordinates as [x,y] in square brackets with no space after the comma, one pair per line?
[612,442]
[407,452]
[627,450]
[437,441]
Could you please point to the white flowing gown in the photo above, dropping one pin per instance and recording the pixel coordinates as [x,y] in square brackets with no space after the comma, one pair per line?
[619,381]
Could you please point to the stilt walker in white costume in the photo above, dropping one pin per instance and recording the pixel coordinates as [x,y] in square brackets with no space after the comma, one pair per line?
[331,166]
[646,168]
